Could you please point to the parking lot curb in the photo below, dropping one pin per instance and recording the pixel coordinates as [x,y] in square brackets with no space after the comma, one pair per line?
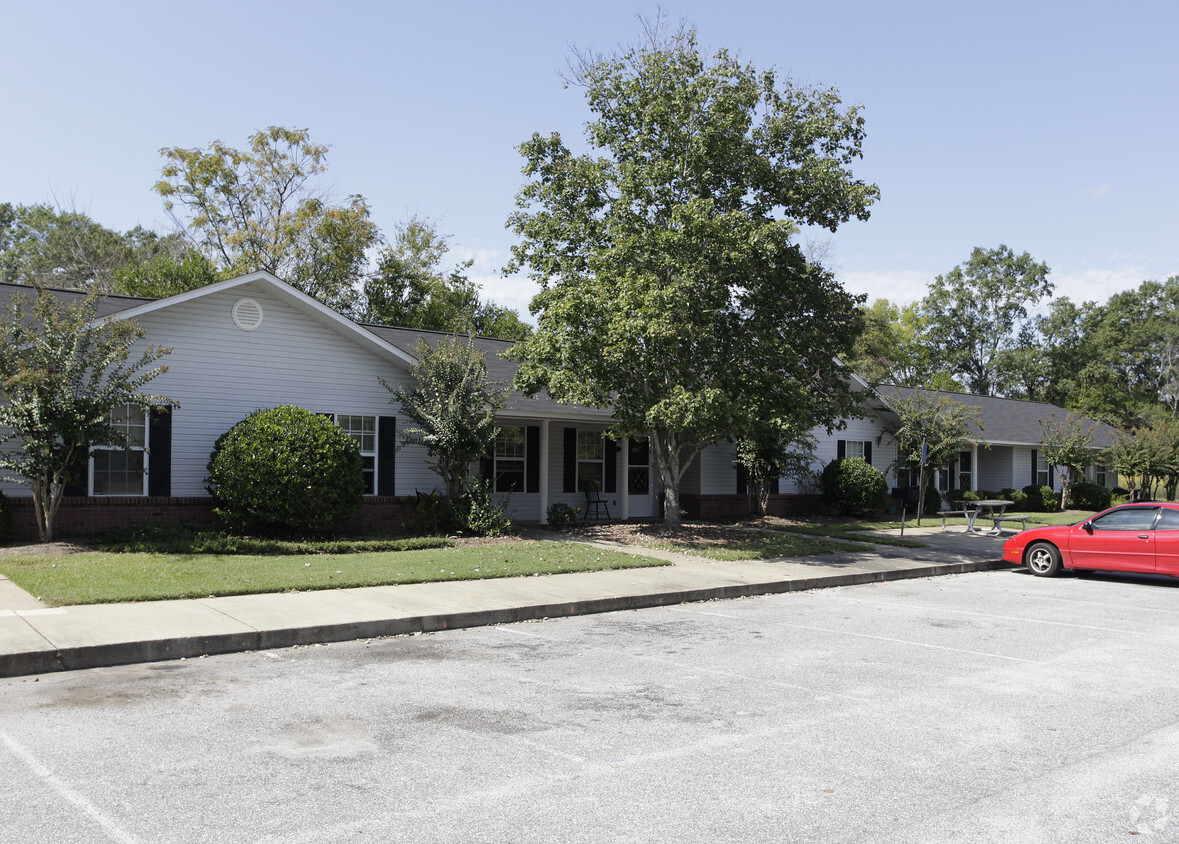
[154,650]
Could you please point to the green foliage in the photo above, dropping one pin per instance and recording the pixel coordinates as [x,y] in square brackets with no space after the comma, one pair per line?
[1067,444]
[767,453]
[1118,495]
[452,408]
[433,513]
[1040,499]
[43,245]
[963,495]
[1089,496]
[410,289]
[1017,497]
[892,349]
[258,209]
[61,373]
[670,286]
[5,519]
[937,423]
[184,539]
[561,514]
[286,469]
[479,514]
[854,487]
[977,316]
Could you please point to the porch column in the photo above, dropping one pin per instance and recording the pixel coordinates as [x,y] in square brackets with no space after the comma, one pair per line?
[974,469]
[544,471]
[624,479]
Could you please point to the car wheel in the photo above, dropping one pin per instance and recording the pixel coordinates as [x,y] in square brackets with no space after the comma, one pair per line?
[1043,559]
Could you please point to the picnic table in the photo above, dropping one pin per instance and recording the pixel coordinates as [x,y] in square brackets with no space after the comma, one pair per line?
[992,508]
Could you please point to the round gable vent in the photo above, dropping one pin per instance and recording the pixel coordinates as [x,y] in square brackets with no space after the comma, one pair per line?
[247,314]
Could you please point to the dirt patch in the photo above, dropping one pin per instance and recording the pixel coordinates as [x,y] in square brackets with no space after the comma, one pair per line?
[43,548]
[653,533]
[475,541]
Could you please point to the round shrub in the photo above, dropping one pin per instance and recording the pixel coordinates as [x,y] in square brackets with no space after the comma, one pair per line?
[964,495]
[1017,497]
[853,487]
[1041,499]
[1086,495]
[286,468]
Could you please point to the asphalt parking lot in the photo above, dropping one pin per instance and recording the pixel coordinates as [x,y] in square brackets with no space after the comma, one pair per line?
[982,707]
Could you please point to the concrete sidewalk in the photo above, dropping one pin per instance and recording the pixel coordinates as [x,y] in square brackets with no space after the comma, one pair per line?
[35,639]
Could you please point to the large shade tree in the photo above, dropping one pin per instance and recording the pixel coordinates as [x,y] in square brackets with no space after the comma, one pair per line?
[263,208]
[979,317]
[671,288]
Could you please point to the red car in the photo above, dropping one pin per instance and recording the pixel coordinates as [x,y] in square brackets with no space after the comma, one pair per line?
[1142,537]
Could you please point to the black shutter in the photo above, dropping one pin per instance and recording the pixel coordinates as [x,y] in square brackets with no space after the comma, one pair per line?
[1052,476]
[159,441]
[840,449]
[742,480]
[570,460]
[776,487]
[610,469]
[532,459]
[1035,462]
[868,453]
[386,455]
[78,479]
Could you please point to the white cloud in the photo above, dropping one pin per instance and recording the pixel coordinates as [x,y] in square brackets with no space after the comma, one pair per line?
[900,287]
[513,292]
[1097,284]
[1101,191]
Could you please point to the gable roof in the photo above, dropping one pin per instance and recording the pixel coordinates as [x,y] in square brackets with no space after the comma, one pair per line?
[1007,421]
[105,307]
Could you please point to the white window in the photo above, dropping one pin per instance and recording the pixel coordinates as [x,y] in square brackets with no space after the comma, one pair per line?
[1097,473]
[115,470]
[363,429]
[1041,469]
[853,448]
[508,470]
[591,458]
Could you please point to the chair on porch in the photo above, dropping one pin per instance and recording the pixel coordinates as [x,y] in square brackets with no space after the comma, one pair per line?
[594,499]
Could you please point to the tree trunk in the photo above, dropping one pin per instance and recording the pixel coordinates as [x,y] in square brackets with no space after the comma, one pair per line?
[672,464]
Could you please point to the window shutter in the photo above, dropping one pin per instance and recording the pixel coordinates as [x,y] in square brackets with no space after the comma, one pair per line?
[386,455]
[487,468]
[159,441]
[742,480]
[1052,476]
[570,481]
[610,469]
[840,449]
[1035,463]
[776,487]
[78,485]
[532,459]
[868,452]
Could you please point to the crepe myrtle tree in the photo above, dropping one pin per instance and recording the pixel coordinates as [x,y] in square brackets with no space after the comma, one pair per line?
[1068,445]
[62,371]
[929,430]
[671,288]
[451,407]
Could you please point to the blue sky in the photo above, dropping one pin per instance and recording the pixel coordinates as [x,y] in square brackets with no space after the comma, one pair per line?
[1050,127]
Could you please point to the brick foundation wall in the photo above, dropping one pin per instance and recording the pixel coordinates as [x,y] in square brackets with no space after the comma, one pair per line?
[82,517]
[737,506]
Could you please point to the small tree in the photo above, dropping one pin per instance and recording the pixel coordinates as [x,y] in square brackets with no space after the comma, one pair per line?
[452,408]
[929,430]
[62,371]
[770,455]
[1067,445]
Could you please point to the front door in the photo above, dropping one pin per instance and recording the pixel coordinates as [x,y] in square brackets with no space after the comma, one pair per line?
[638,479]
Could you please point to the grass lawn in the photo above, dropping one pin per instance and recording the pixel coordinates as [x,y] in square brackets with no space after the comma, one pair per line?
[761,546]
[98,577]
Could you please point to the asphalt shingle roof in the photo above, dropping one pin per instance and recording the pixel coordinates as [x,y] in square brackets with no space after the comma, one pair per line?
[1009,420]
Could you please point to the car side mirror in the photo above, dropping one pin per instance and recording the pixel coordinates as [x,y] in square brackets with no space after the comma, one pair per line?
[1087,527]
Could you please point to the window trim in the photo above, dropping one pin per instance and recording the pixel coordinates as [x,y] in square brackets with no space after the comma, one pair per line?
[376,451]
[145,448]
[600,441]
[522,460]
